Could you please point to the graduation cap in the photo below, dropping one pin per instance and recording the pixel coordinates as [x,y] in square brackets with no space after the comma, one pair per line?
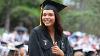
[48,4]
[90,53]
[78,50]
[2,42]
[21,29]
[19,44]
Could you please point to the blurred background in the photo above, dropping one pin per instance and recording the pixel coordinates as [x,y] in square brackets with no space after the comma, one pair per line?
[80,16]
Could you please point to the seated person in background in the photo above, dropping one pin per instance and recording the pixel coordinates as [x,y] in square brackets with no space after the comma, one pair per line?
[22,37]
[3,44]
[79,52]
[19,39]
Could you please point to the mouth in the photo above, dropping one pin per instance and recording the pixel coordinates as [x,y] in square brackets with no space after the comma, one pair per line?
[47,21]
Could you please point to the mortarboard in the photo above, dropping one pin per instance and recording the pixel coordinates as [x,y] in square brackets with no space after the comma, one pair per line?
[48,4]
[19,44]
[2,42]
[90,53]
[78,50]
[21,29]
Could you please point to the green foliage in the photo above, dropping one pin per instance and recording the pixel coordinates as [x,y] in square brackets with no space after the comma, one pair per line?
[1,31]
[1,5]
[26,11]
[86,20]
[27,15]
[30,11]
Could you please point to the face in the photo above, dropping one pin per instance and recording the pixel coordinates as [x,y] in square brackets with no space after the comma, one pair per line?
[48,17]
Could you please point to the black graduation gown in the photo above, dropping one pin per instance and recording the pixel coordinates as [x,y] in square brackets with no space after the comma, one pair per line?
[40,43]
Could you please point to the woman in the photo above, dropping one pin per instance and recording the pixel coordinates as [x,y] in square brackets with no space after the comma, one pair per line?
[47,39]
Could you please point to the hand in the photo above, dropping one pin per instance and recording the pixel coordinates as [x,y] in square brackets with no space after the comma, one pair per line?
[56,50]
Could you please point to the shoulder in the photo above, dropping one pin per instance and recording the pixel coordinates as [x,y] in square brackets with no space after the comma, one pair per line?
[64,36]
[65,39]
[36,29]
[34,32]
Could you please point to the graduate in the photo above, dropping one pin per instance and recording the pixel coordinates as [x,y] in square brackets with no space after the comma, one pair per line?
[48,39]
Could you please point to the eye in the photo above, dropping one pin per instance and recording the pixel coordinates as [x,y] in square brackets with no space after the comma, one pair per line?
[50,14]
[44,14]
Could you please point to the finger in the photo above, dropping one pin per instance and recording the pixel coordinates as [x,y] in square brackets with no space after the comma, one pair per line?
[54,50]
[55,47]
[55,43]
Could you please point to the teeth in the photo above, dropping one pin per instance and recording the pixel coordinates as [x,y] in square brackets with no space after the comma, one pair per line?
[47,21]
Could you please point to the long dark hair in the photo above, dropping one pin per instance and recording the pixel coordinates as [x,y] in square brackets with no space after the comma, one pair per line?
[57,24]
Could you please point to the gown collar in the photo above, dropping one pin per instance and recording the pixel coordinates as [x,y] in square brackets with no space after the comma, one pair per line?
[46,33]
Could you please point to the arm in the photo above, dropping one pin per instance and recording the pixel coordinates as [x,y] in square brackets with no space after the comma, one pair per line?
[34,47]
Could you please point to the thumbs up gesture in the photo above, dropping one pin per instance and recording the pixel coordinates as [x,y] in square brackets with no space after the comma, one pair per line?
[56,50]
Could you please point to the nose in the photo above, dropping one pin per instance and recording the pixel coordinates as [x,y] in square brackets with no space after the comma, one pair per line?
[47,16]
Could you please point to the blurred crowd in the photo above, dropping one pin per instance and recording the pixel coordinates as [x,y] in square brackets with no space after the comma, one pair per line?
[14,43]
[84,44]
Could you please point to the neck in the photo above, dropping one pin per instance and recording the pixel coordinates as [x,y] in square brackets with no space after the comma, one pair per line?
[50,29]
[51,32]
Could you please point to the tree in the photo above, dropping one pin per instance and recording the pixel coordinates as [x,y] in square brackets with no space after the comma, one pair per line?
[85,20]
[11,9]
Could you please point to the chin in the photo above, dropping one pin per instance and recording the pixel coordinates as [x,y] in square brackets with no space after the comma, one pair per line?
[47,25]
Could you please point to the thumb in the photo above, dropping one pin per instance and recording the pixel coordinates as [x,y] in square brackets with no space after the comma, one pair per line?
[55,43]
